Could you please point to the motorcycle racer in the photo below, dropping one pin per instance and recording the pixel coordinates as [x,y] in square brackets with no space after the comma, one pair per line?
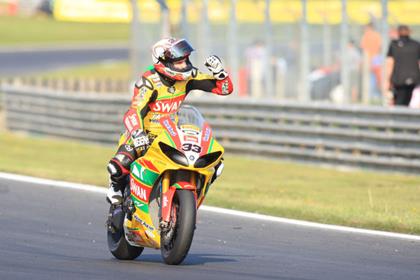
[158,93]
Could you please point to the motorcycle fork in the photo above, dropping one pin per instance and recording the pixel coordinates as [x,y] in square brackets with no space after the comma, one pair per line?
[166,201]
[168,196]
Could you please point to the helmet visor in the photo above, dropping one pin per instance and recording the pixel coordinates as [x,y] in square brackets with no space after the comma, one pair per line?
[179,50]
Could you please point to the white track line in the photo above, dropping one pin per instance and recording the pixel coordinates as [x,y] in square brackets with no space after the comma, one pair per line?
[91,188]
[52,183]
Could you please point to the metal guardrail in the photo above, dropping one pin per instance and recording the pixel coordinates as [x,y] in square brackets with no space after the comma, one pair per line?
[374,137]
[103,85]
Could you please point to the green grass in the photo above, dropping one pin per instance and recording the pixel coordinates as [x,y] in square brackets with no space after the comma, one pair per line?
[117,70]
[53,158]
[355,198]
[17,30]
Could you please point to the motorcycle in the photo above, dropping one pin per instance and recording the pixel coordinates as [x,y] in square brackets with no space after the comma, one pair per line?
[166,187]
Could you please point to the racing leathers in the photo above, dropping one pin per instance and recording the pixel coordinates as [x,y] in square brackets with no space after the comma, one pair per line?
[155,96]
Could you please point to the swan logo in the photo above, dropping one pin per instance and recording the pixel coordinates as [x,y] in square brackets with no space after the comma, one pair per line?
[137,190]
[166,106]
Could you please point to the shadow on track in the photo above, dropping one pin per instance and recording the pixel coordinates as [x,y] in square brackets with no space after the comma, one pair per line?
[192,259]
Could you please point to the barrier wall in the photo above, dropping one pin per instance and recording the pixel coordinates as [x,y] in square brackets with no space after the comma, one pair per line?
[374,137]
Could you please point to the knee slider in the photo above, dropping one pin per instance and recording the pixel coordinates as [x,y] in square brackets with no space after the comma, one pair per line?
[126,154]
[119,165]
[114,169]
[118,175]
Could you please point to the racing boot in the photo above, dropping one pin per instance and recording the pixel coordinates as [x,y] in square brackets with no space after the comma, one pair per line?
[114,194]
[119,169]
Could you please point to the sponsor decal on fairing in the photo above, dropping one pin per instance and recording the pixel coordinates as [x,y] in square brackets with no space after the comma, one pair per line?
[143,223]
[206,137]
[191,144]
[135,171]
[139,191]
[207,133]
[169,127]
[165,201]
[191,138]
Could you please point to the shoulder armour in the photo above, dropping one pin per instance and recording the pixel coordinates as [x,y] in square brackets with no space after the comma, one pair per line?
[144,82]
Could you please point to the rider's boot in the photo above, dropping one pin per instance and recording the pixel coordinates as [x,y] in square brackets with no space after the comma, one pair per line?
[119,169]
[114,194]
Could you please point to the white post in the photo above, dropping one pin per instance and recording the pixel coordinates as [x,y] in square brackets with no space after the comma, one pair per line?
[365,79]
[166,25]
[344,41]
[232,40]
[304,94]
[281,68]
[204,33]
[185,31]
[135,41]
[269,90]
[385,42]
[327,47]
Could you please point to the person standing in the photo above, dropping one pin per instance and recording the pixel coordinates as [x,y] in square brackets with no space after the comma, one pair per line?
[355,62]
[403,66]
[371,41]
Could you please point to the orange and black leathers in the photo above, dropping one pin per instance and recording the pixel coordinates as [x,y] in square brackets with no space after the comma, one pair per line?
[155,97]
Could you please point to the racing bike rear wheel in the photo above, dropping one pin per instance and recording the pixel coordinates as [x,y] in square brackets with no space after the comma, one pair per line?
[117,244]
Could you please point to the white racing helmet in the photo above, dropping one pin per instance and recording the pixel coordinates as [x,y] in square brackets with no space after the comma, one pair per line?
[169,50]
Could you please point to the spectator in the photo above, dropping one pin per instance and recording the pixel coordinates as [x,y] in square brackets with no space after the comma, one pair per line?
[45,7]
[256,61]
[371,41]
[403,66]
[371,46]
[354,62]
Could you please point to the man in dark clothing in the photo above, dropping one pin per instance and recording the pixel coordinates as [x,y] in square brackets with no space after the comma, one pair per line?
[403,66]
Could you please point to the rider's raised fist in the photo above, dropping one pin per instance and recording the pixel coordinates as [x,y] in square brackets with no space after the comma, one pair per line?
[214,64]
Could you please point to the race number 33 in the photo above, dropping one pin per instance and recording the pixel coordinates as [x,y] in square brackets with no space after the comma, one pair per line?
[191,147]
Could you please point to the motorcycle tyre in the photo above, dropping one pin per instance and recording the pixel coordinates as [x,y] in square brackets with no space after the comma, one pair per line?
[185,228]
[121,249]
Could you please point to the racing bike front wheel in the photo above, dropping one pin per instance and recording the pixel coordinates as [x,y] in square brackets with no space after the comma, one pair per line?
[177,239]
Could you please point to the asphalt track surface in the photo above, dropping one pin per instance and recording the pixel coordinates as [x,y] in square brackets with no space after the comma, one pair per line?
[56,233]
[26,61]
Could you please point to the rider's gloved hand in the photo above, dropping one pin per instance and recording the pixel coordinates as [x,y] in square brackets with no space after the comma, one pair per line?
[214,64]
[140,140]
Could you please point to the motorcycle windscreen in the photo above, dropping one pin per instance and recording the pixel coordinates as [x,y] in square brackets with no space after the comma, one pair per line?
[189,115]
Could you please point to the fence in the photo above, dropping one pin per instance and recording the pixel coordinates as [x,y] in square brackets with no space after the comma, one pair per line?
[374,137]
[104,85]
